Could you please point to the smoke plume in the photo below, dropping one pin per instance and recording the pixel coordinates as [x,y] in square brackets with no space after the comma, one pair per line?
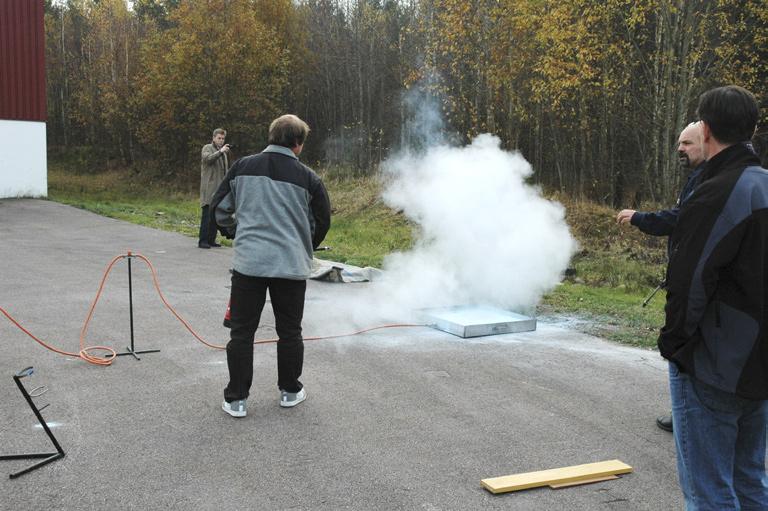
[483,235]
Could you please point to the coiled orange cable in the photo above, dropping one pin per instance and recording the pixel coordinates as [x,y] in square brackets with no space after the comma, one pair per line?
[85,354]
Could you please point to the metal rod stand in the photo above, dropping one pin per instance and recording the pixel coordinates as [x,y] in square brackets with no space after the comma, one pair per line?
[46,456]
[661,285]
[132,350]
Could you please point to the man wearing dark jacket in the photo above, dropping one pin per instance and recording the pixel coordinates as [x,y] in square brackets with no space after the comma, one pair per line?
[278,211]
[661,223]
[716,330]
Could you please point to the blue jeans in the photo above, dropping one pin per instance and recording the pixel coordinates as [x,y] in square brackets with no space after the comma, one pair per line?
[720,442]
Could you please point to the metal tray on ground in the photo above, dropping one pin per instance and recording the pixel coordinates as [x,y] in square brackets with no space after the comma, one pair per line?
[477,320]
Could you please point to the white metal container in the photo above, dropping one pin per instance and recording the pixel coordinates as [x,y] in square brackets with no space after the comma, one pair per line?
[477,320]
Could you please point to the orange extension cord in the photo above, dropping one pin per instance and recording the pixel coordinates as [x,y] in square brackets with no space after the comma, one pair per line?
[85,351]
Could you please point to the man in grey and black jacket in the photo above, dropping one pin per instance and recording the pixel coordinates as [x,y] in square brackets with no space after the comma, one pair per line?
[278,211]
[716,331]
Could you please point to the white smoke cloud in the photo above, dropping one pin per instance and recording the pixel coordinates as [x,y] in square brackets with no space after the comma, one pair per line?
[484,235]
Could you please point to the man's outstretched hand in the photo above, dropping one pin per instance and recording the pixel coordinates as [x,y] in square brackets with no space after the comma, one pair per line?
[625,216]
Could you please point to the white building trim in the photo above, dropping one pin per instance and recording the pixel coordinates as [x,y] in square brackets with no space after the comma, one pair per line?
[23,160]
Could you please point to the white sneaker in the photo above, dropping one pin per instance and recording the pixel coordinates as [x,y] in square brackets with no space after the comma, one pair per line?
[290,399]
[235,408]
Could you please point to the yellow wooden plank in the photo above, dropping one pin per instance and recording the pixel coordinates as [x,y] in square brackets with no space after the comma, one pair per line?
[583,481]
[554,476]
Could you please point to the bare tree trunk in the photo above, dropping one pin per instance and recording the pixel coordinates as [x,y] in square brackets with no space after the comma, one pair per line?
[64,95]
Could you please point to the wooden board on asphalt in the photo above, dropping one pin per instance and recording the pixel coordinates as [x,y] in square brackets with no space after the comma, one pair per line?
[577,474]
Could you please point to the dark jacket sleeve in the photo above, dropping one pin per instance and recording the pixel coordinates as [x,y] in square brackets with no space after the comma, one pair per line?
[658,223]
[694,272]
[662,223]
[685,256]
[320,204]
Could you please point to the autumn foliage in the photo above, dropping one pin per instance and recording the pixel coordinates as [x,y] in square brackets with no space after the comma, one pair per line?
[593,93]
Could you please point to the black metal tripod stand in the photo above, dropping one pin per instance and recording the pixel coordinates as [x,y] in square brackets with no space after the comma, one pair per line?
[132,350]
[46,456]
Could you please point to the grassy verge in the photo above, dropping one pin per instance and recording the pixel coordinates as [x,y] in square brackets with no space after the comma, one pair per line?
[117,195]
[610,277]
[610,313]
[364,229]
[602,295]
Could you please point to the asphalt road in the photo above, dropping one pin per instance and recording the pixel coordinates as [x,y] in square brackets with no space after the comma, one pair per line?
[396,419]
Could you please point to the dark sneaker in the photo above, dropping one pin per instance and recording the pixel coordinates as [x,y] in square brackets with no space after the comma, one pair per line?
[215,245]
[235,408]
[203,244]
[290,399]
[665,423]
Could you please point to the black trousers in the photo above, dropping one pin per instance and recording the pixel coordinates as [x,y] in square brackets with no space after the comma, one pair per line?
[247,302]
[207,226]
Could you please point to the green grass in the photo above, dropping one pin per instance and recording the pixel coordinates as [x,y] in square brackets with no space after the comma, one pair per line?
[609,277]
[116,195]
[607,312]
[364,230]
[615,270]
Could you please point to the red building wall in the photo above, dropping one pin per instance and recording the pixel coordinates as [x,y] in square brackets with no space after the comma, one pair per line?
[22,60]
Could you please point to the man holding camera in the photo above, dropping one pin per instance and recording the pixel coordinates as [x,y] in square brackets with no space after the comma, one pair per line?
[213,166]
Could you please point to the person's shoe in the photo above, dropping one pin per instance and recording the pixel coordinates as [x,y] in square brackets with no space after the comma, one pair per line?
[215,245]
[290,399]
[665,423]
[203,244]
[235,408]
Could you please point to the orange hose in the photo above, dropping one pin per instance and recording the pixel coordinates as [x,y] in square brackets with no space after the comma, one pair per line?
[85,354]
[84,351]
[168,305]
[43,344]
[319,338]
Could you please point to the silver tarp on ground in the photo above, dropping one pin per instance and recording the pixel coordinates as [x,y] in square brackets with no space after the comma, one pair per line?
[331,271]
